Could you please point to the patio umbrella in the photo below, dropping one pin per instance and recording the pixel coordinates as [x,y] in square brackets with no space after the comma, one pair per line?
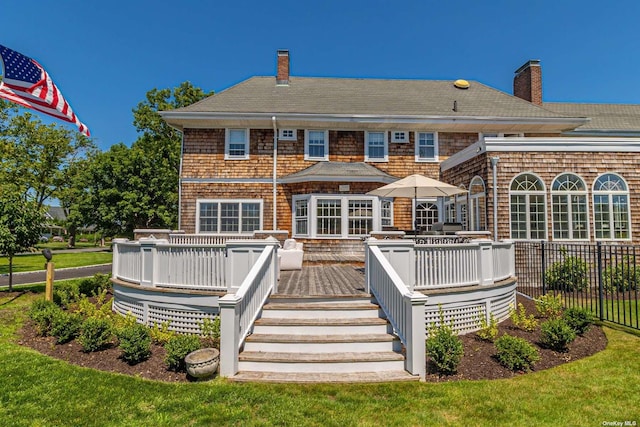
[417,186]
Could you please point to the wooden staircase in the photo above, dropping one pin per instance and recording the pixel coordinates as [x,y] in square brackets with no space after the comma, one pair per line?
[322,339]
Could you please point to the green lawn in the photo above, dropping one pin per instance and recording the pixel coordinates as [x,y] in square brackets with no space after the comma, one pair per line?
[34,262]
[39,391]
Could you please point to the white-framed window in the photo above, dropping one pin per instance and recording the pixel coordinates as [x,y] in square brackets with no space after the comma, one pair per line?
[426,146]
[484,135]
[477,205]
[426,213]
[450,209]
[527,207]
[316,145]
[376,147]
[400,136]
[611,213]
[337,216]
[386,212]
[229,216]
[236,146]
[569,208]
[301,217]
[287,134]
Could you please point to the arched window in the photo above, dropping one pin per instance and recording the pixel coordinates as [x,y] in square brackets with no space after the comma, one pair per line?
[527,203]
[611,208]
[569,208]
[477,205]
[426,215]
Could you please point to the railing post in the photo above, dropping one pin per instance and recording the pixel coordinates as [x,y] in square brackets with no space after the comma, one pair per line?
[416,361]
[401,256]
[241,256]
[485,262]
[149,252]
[229,334]
[115,259]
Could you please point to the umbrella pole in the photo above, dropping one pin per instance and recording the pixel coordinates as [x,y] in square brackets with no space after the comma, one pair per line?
[415,210]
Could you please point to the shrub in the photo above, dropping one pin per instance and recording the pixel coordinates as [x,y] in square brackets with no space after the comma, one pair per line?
[65,293]
[135,343]
[570,274]
[160,334]
[578,318]
[100,309]
[96,334]
[65,326]
[444,347]
[549,305]
[521,320]
[94,285]
[210,330]
[622,277]
[516,353]
[556,334]
[488,331]
[42,313]
[177,349]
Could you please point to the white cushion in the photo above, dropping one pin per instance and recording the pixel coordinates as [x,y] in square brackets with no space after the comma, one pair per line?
[289,244]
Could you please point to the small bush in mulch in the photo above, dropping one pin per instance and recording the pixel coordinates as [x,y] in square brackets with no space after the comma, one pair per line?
[556,334]
[488,330]
[522,320]
[515,353]
[177,349]
[444,348]
[135,343]
[96,334]
[65,326]
[42,313]
[579,319]
[549,305]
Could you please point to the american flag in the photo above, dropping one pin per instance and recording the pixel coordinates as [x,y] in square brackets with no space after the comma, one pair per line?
[26,83]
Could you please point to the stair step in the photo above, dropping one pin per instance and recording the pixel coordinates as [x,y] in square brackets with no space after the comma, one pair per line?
[321,321]
[358,377]
[320,339]
[320,357]
[321,305]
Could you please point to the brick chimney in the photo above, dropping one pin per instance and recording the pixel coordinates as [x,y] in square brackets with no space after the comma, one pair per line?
[527,84]
[282,78]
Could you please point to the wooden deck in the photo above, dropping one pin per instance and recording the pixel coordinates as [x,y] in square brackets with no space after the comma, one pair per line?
[323,280]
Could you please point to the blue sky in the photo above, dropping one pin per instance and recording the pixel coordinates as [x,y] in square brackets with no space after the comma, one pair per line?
[106,55]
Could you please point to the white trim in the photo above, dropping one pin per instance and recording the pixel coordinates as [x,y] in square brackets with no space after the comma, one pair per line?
[403,140]
[419,159]
[326,145]
[584,193]
[219,201]
[609,194]
[437,201]
[282,137]
[247,143]
[226,180]
[385,157]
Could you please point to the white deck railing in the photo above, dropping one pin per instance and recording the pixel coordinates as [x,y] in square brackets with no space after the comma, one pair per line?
[239,311]
[504,265]
[158,263]
[404,308]
[205,239]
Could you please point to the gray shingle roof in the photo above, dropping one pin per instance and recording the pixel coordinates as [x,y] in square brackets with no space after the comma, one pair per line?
[339,171]
[313,95]
[604,117]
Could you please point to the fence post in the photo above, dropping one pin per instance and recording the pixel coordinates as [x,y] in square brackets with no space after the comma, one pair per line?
[149,267]
[600,290]
[485,261]
[229,334]
[416,360]
[401,256]
[241,256]
[544,267]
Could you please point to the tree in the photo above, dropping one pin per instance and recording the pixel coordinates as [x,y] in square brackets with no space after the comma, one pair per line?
[37,156]
[137,187]
[20,222]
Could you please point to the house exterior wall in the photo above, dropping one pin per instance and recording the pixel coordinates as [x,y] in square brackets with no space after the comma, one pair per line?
[205,174]
[547,166]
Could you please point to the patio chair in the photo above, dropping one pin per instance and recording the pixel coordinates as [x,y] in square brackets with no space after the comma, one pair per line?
[291,255]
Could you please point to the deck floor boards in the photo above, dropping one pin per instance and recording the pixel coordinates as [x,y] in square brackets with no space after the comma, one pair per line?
[325,279]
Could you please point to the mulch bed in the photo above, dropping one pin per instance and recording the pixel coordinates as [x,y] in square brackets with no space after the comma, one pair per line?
[478,361]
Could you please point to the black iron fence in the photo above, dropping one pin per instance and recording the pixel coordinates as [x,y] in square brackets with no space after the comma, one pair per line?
[600,277]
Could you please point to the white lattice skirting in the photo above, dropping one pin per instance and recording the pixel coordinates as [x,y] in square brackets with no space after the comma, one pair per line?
[464,308]
[184,311]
